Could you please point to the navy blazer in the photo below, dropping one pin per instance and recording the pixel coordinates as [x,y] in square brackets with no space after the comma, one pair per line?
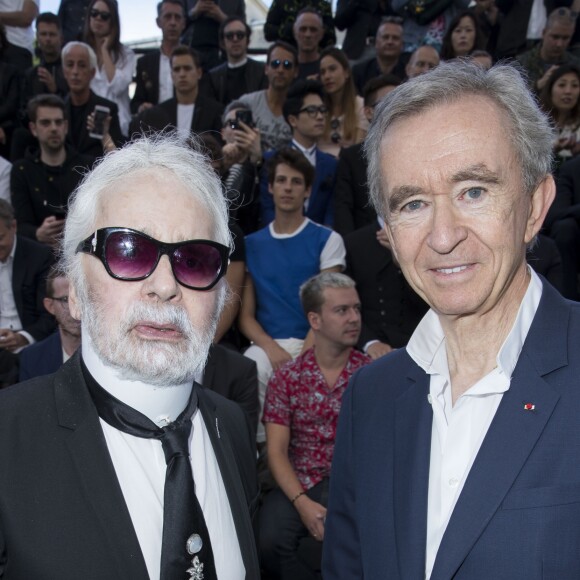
[41,358]
[321,200]
[518,515]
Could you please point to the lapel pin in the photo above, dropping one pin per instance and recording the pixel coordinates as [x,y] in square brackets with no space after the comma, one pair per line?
[529,407]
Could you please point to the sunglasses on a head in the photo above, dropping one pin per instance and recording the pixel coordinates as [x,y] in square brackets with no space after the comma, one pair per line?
[132,255]
[287,64]
[101,14]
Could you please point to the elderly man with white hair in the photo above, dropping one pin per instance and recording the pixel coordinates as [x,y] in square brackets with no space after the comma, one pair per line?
[120,465]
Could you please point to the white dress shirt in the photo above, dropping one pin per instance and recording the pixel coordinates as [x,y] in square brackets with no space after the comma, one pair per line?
[458,430]
[140,468]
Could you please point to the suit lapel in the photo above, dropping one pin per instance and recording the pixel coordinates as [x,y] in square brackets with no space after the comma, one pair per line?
[413,422]
[221,439]
[95,471]
[18,274]
[512,434]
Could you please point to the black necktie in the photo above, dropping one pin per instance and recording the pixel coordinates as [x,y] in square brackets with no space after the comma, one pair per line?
[186,547]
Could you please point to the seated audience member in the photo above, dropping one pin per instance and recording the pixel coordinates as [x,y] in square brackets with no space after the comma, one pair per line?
[234,377]
[18,16]
[560,98]
[24,266]
[72,15]
[305,112]
[283,13]
[267,105]
[462,37]
[390,309]
[563,225]
[389,57]
[189,111]
[360,20]
[241,162]
[9,98]
[345,123]
[303,401]
[46,357]
[422,60]
[279,258]
[240,74]
[308,31]
[204,18]
[543,59]
[115,62]
[79,64]
[483,58]
[352,209]
[153,79]
[47,76]
[42,182]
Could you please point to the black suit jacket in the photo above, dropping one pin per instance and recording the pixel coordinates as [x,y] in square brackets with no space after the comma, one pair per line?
[32,262]
[352,208]
[82,141]
[206,117]
[255,78]
[390,309]
[62,512]
[146,81]
[235,377]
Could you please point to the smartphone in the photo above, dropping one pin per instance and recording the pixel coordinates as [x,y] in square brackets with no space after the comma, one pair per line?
[100,113]
[245,117]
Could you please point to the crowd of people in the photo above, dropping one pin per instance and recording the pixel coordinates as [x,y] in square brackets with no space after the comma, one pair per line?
[316,291]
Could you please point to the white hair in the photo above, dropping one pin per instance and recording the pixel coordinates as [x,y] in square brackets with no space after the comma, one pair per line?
[73,43]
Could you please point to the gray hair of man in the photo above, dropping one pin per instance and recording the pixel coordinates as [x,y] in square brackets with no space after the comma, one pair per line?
[146,154]
[74,43]
[528,127]
[312,291]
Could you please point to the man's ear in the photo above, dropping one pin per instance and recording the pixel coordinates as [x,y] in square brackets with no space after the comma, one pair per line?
[32,128]
[73,303]
[541,200]
[314,320]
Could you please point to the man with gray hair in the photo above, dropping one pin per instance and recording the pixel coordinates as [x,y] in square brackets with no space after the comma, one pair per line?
[300,414]
[456,457]
[85,487]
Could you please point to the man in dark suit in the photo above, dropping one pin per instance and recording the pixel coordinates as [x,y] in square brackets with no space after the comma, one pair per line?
[457,455]
[91,442]
[24,265]
[153,80]
[352,208]
[305,112]
[239,74]
[189,112]
[79,66]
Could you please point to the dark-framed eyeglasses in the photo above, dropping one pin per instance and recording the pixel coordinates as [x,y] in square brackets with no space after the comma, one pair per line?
[235,34]
[287,64]
[62,299]
[100,14]
[313,110]
[131,255]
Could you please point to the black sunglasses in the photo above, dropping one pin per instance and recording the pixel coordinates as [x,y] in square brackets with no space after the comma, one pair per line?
[313,110]
[237,34]
[287,64]
[101,14]
[132,255]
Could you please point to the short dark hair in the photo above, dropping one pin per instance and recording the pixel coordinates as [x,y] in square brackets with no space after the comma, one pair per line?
[376,83]
[297,93]
[229,20]
[45,100]
[177,2]
[48,18]
[183,50]
[6,213]
[286,46]
[294,159]
[54,273]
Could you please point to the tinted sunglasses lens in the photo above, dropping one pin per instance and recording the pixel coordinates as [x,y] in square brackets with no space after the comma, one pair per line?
[236,35]
[287,64]
[129,255]
[196,265]
[104,16]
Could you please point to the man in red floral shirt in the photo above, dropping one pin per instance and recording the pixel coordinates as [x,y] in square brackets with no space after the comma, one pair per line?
[300,414]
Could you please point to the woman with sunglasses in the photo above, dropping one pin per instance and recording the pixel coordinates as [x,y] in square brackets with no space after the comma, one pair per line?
[345,123]
[116,62]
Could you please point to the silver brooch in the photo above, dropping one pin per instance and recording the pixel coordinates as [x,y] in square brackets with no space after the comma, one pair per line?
[194,544]
[196,570]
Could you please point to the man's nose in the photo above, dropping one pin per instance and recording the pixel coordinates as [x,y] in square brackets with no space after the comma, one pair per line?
[447,231]
[161,284]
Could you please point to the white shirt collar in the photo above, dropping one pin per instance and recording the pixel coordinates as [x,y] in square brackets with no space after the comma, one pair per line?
[427,344]
[160,404]
[309,153]
[237,64]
